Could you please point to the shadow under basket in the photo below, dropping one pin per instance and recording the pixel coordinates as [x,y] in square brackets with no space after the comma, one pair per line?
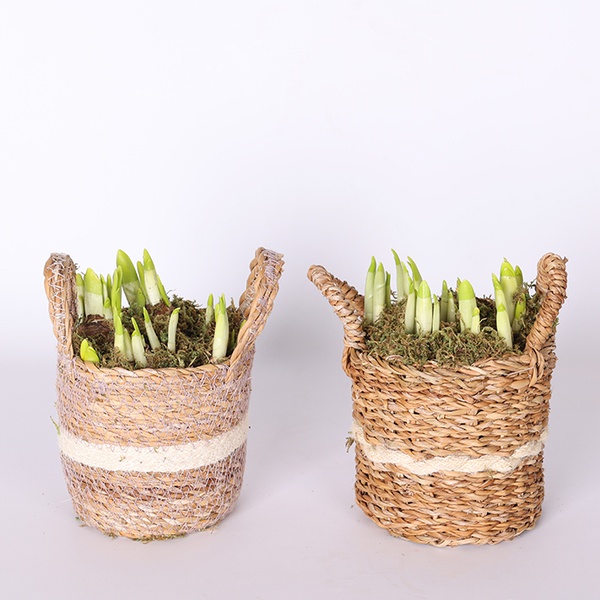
[155,453]
[449,456]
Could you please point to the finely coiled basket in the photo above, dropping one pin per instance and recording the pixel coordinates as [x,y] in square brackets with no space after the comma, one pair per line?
[155,453]
[449,456]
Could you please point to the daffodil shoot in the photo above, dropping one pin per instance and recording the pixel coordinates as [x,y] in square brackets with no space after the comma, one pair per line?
[369,291]
[126,319]
[416,323]
[221,337]
[93,300]
[87,353]
[466,304]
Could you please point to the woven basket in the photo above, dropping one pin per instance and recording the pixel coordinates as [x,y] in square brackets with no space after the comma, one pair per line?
[449,456]
[155,453]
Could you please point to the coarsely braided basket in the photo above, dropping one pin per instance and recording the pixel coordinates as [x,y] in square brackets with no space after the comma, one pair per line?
[155,453]
[449,456]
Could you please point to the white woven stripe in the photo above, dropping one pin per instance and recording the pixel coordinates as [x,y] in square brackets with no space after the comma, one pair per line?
[161,459]
[380,455]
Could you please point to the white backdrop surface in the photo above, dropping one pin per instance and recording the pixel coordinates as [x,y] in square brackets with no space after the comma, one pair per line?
[455,132]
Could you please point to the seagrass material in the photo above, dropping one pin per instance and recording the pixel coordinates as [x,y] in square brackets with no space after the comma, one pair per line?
[448,456]
[155,453]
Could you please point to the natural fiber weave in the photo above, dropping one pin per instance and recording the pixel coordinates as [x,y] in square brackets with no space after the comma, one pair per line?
[184,427]
[423,433]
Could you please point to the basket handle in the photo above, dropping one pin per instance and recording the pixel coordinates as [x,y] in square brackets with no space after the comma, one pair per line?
[59,284]
[346,301]
[256,302]
[551,283]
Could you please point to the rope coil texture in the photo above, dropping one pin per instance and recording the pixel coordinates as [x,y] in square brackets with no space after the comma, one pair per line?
[449,456]
[155,453]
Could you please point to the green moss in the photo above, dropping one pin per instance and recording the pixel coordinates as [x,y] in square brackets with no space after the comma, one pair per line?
[193,343]
[448,347]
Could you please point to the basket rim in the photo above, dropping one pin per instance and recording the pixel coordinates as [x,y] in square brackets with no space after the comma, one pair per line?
[212,368]
[510,361]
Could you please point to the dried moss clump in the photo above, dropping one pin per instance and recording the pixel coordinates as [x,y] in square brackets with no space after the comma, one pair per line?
[387,339]
[193,342]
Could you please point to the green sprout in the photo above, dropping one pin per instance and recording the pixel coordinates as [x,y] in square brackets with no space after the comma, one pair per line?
[444,302]
[122,338]
[130,281]
[138,345]
[172,330]
[80,290]
[116,292]
[142,278]
[520,307]
[466,304]
[209,315]
[451,315]
[475,321]
[150,333]
[369,291]
[388,289]
[379,291]
[149,277]
[416,275]
[92,297]
[162,291]
[221,338]
[87,353]
[508,281]
[503,325]
[423,309]
[437,319]
[109,284]
[402,277]
[410,310]
[519,276]
[108,313]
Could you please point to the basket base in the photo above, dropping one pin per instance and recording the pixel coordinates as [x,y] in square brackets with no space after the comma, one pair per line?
[451,509]
[152,506]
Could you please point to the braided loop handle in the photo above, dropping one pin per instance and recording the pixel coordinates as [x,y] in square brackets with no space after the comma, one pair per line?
[551,284]
[255,303]
[59,284]
[347,303]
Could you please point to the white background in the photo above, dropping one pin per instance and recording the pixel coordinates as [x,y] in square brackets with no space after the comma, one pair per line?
[455,132]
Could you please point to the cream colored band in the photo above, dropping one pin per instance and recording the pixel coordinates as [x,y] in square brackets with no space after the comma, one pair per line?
[161,459]
[380,455]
